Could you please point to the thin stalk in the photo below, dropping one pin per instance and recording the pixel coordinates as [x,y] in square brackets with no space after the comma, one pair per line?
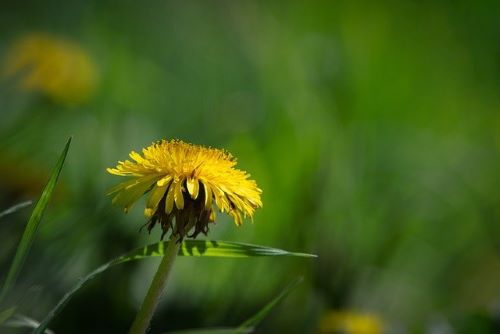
[143,317]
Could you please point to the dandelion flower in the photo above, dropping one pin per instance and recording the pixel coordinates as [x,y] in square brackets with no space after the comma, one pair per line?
[350,322]
[53,66]
[185,182]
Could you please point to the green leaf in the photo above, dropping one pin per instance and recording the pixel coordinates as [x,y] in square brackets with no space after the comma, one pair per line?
[15,208]
[259,316]
[32,226]
[231,249]
[7,313]
[203,248]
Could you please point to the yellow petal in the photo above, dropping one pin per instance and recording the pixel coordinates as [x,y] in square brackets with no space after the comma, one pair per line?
[208,195]
[164,181]
[169,201]
[237,217]
[179,198]
[221,200]
[128,196]
[212,216]
[149,212]
[114,171]
[156,195]
[121,186]
[136,156]
[193,187]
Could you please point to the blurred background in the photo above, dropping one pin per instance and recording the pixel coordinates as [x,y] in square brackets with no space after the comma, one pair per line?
[373,130]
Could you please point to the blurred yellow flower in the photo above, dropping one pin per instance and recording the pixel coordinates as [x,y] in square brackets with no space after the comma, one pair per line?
[53,66]
[350,322]
[184,180]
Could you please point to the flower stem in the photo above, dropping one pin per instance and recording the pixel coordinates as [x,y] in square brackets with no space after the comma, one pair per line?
[143,317]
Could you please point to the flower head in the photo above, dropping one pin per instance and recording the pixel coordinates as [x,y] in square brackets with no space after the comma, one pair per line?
[184,182]
[56,67]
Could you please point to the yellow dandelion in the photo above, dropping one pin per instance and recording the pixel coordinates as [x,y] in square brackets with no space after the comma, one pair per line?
[350,322]
[184,182]
[56,67]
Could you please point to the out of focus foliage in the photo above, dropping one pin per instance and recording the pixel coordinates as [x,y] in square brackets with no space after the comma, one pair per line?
[372,128]
[55,67]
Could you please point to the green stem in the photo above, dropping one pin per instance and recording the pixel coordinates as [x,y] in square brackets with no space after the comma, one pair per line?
[143,317]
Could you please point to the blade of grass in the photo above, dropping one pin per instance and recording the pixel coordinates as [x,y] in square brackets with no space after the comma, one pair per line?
[210,248]
[259,316]
[15,208]
[198,248]
[22,321]
[33,223]
[249,325]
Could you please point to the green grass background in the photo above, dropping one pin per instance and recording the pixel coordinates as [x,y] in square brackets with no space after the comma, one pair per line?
[372,128]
